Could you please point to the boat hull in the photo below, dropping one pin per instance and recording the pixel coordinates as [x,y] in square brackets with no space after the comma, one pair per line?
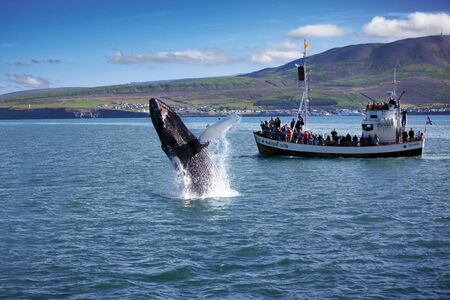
[272,147]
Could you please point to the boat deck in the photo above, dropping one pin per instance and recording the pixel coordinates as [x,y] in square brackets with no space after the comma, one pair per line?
[268,145]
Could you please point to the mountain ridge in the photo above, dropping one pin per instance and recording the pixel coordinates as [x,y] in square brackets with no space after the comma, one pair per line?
[338,76]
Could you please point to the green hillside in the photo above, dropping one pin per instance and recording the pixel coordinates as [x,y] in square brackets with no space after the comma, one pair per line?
[338,76]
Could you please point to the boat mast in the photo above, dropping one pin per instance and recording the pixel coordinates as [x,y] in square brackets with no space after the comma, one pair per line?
[398,104]
[395,83]
[306,46]
[305,95]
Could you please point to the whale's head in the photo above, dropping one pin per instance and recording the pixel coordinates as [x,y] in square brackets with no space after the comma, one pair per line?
[170,128]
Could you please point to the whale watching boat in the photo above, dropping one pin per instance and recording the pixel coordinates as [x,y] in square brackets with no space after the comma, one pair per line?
[384,131]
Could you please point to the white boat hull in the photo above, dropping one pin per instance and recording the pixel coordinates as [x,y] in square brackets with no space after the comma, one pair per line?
[269,146]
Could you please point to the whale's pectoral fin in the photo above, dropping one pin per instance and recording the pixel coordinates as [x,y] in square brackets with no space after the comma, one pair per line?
[218,129]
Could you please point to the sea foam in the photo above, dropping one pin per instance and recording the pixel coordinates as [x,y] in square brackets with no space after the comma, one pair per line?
[219,185]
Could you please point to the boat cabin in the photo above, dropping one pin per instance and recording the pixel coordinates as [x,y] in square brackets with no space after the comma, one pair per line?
[381,119]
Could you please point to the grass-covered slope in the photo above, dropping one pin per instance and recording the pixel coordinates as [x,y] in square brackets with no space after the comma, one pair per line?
[338,76]
[342,73]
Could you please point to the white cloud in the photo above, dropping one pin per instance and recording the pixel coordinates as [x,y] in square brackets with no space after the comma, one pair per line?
[189,56]
[53,61]
[276,53]
[6,45]
[414,25]
[35,62]
[318,30]
[27,80]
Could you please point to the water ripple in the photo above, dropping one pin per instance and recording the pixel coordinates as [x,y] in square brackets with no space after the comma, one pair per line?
[92,211]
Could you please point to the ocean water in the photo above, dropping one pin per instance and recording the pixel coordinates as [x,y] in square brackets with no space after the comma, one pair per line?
[92,209]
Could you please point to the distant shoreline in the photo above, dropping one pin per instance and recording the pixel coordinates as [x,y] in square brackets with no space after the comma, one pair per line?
[63,113]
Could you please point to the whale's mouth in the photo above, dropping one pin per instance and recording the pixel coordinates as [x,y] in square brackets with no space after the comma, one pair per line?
[158,112]
[158,109]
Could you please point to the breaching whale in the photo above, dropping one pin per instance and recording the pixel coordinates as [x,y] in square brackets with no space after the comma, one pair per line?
[187,153]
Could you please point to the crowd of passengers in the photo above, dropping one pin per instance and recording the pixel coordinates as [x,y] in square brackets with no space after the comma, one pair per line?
[381,106]
[294,133]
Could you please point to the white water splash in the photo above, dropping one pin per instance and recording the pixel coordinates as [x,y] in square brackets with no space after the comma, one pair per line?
[219,185]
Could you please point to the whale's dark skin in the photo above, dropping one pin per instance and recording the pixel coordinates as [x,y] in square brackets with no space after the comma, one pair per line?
[182,147]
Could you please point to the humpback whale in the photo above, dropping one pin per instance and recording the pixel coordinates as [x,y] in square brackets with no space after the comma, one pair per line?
[187,153]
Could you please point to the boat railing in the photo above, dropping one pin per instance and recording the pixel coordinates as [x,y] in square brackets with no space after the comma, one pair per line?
[277,136]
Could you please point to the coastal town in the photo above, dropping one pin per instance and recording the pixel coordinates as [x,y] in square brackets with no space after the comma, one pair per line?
[209,111]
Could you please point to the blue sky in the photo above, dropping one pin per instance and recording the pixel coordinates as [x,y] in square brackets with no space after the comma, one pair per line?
[91,43]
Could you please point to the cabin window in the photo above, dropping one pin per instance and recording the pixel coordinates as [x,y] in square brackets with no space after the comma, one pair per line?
[367,127]
[373,116]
